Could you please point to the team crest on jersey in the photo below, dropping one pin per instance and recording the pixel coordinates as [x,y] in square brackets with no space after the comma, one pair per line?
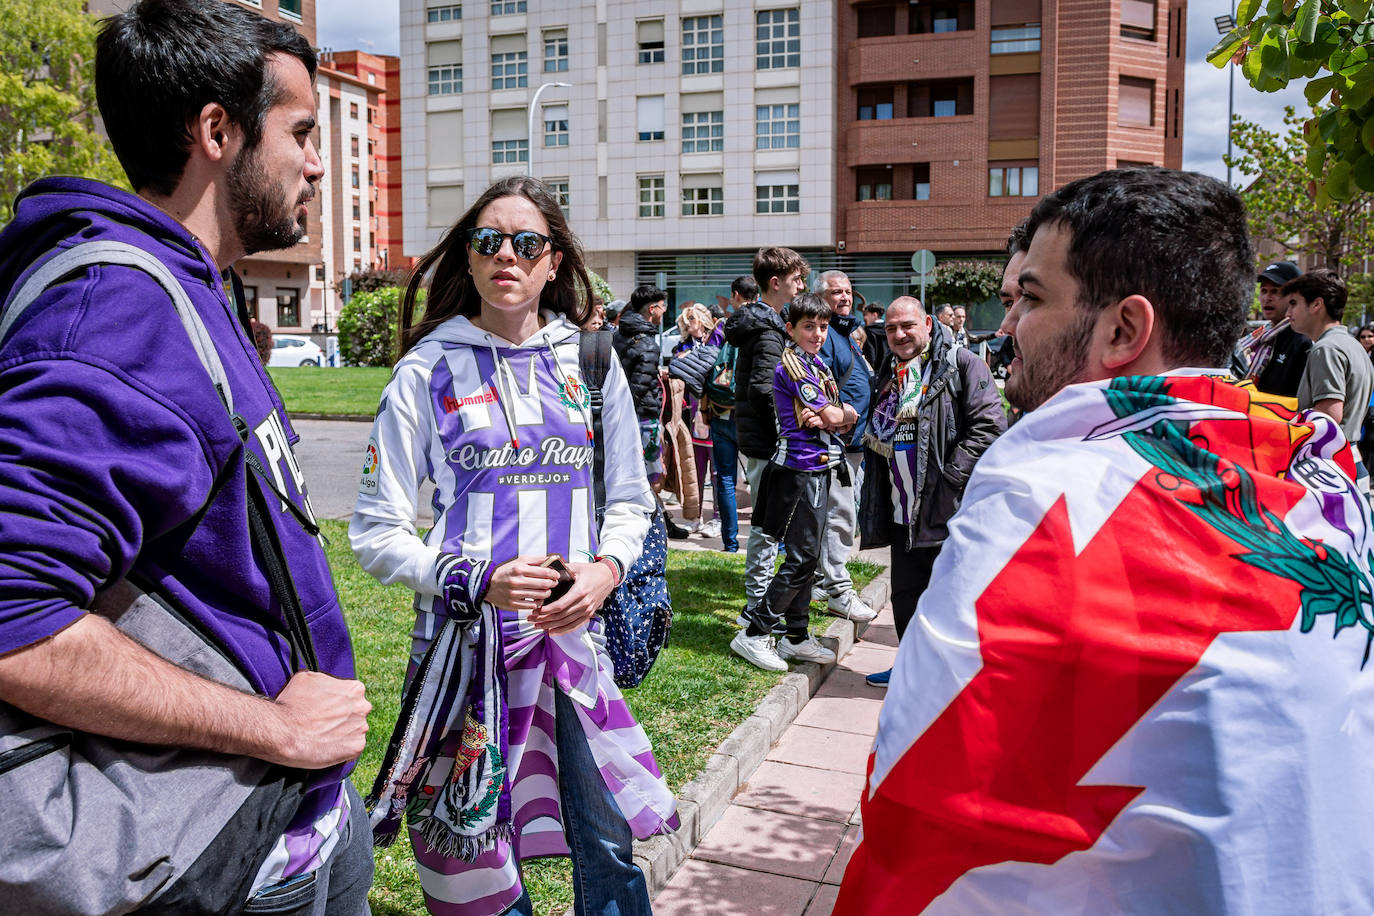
[574,394]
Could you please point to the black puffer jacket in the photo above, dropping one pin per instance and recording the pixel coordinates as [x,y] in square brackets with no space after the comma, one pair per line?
[759,335]
[636,343]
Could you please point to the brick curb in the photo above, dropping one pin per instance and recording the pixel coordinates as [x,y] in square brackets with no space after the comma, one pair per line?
[702,801]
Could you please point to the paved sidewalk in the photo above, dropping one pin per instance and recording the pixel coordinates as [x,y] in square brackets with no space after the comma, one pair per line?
[781,847]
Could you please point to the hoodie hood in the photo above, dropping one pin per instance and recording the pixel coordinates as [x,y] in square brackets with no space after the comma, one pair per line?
[633,324]
[752,319]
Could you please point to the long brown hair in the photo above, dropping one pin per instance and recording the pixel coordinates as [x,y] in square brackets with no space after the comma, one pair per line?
[451,288]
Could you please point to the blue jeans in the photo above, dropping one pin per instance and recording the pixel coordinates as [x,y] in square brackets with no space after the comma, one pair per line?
[606,881]
[724,467]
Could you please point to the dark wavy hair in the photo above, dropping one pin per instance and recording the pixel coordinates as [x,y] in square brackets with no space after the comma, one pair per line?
[451,288]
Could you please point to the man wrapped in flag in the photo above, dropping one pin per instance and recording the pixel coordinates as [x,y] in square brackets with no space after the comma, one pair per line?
[1138,682]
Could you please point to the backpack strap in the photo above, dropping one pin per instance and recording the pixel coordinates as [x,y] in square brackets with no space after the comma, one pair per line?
[89,254]
[594,360]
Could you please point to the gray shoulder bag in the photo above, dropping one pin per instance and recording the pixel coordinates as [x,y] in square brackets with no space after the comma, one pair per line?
[94,825]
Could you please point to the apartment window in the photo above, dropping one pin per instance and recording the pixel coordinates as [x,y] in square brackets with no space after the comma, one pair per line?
[1014,106]
[444,139]
[875,103]
[651,197]
[357,178]
[703,195]
[509,62]
[507,7]
[445,203]
[509,144]
[926,17]
[777,192]
[874,184]
[703,45]
[357,240]
[556,51]
[877,21]
[450,13]
[353,110]
[1136,102]
[703,131]
[649,117]
[357,209]
[1138,19]
[777,39]
[556,125]
[445,68]
[353,145]
[777,126]
[649,36]
[288,308]
[920,181]
[560,190]
[1013,179]
[250,301]
[291,8]
[1016,39]
[939,99]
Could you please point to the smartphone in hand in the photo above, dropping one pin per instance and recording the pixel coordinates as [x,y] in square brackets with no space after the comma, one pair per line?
[565,577]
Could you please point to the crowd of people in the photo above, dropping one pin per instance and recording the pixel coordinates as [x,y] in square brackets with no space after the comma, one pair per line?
[1107,695]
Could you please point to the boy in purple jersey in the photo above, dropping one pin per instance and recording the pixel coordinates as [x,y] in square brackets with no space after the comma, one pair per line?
[795,488]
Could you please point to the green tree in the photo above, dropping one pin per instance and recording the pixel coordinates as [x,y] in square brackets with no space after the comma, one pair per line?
[1282,204]
[964,282]
[369,327]
[600,287]
[47,98]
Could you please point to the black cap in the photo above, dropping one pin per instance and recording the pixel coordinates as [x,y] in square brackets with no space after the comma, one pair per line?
[1280,272]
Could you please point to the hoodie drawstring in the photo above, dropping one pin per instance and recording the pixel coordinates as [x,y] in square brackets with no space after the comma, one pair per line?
[503,397]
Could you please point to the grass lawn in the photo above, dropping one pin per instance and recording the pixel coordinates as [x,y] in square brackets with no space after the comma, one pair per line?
[697,694]
[341,391]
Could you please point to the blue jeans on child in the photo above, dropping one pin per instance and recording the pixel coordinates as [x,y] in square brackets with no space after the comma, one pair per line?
[724,467]
[606,881]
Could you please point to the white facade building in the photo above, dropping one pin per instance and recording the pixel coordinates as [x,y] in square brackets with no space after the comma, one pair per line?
[694,131]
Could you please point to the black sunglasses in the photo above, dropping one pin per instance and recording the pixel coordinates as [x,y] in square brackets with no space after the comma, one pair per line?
[526,243]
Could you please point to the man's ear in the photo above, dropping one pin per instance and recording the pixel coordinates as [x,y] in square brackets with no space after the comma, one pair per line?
[213,134]
[1123,332]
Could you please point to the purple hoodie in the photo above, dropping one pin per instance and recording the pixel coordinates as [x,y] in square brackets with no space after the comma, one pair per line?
[114,438]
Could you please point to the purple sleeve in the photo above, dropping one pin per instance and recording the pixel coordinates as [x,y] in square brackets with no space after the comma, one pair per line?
[92,466]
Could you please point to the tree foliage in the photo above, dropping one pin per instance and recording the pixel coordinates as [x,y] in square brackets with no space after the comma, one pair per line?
[47,98]
[371,279]
[369,327]
[1276,41]
[1282,203]
[964,282]
[600,287]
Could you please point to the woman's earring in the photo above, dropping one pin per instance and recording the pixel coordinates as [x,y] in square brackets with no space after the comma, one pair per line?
[551,276]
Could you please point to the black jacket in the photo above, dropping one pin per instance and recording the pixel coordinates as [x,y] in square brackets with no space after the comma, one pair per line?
[1284,372]
[636,343]
[759,336]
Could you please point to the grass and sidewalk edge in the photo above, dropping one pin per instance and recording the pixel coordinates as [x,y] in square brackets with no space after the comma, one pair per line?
[703,800]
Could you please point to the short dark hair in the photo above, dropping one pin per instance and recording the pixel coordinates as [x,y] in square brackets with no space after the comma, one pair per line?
[645,295]
[808,305]
[770,262]
[1321,283]
[746,287]
[1177,238]
[160,62]
[451,287]
[1019,240]
[874,308]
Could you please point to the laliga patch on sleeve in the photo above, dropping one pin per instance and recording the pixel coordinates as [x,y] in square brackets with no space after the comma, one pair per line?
[810,392]
[371,462]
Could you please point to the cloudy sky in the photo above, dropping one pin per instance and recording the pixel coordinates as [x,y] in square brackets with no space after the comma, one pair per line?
[373,25]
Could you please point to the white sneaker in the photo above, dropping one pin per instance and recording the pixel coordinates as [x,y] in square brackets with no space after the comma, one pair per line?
[851,606]
[710,529]
[819,594]
[758,651]
[808,650]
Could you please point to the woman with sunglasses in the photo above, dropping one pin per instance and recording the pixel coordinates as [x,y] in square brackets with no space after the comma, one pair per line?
[514,741]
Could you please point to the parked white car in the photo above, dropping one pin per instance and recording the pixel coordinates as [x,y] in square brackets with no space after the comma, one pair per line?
[290,350]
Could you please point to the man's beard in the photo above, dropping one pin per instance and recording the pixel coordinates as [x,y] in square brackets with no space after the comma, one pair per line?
[263,219]
[1058,362]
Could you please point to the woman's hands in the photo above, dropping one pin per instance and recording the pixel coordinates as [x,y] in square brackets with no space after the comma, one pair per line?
[592,585]
[521,585]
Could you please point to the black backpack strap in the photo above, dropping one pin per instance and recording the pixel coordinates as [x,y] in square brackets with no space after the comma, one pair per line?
[594,359]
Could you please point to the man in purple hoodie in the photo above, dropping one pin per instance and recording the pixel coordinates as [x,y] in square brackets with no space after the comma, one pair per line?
[119,462]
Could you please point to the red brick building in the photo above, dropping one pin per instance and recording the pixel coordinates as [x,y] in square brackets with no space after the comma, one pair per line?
[954,116]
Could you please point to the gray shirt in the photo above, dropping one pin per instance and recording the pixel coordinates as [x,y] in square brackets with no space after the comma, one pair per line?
[1338,367]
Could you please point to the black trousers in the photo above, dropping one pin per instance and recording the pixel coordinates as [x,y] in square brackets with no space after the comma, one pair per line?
[910,577]
[805,495]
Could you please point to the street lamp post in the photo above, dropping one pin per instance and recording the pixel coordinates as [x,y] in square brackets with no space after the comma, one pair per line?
[1224,25]
[529,128]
